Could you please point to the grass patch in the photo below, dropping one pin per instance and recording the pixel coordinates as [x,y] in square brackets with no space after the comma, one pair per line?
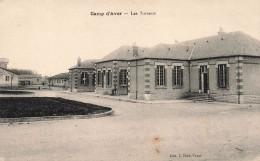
[15,92]
[14,107]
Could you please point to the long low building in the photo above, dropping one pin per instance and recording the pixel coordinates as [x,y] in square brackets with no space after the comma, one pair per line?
[225,66]
[59,80]
[26,79]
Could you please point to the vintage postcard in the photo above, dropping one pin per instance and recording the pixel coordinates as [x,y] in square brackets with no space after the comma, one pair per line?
[129,80]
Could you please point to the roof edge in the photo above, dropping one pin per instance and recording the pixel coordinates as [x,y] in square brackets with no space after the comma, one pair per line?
[9,71]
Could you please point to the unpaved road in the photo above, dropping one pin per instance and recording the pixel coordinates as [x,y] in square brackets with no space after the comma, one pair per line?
[138,132]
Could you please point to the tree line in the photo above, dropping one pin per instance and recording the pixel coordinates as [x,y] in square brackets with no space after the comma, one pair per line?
[24,71]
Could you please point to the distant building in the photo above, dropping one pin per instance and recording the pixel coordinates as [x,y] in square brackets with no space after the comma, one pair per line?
[82,76]
[59,80]
[8,79]
[45,81]
[26,79]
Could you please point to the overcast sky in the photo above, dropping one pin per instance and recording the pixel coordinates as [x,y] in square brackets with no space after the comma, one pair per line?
[47,36]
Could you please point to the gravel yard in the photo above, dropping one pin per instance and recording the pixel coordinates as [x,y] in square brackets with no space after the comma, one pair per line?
[138,132]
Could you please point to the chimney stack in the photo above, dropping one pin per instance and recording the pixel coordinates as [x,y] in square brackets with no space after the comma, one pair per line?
[3,63]
[221,31]
[79,62]
[135,50]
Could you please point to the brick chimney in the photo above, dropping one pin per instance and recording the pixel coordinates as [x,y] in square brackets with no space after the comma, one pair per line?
[135,50]
[79,62]
[3,63]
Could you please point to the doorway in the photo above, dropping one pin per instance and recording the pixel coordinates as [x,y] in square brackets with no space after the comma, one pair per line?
[204,79]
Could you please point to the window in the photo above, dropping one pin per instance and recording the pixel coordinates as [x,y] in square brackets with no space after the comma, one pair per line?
[7,78]
[123,77]
[93,79]
[160,75]
[109,77]
[37,80]
[99,78]
[84,78]
[103,78]
[222,76]
[177,76]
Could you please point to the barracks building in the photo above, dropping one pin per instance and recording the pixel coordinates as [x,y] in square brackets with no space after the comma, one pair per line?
[225,67]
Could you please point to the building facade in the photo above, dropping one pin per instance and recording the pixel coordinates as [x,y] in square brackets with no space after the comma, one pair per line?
[8,79]
[82,76]
[112,71]
[59,80]
[26,79]
[224,67]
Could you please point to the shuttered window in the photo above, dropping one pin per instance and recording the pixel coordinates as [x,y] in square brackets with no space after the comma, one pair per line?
[123,77]
[160,75]
[223,76]
[177,76]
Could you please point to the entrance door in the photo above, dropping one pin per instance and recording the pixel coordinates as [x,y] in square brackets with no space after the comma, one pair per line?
[204,82]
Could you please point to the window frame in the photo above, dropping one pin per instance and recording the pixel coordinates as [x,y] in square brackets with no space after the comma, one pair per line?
[123,77]
[222,76]
[99,78]
[177,76]
[160,76]
[93,79]
[7,78]
[109,78]
[84,81]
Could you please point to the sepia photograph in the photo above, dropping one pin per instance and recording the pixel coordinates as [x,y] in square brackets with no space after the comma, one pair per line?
[129,80]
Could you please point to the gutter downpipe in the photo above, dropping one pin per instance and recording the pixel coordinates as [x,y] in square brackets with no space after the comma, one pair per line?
[238,77]
[189,61]
[136,79]
[189,77]
[238,93]
[190,67]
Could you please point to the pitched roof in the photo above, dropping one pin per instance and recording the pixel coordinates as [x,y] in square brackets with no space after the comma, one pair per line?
[122,53]
[165,51]
[9,71]
[85,64]
[23,76]
[227,44]
[61,76]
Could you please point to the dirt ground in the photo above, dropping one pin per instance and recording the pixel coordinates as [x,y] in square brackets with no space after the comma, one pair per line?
[139,132]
